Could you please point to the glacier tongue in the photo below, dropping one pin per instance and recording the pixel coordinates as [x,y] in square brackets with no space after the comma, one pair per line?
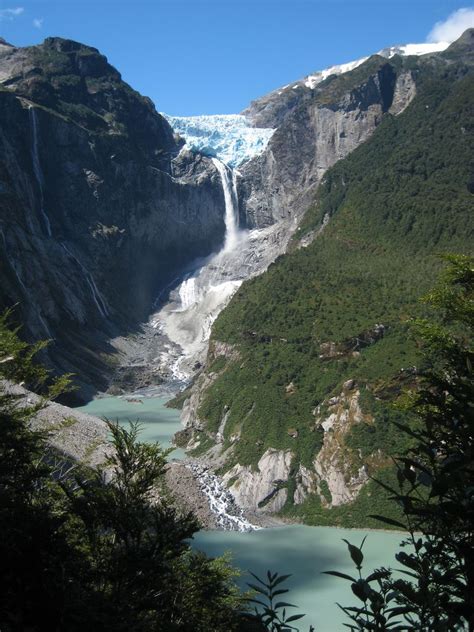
[228,137]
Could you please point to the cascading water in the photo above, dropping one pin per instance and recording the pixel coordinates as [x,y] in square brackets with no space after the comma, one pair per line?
[37,168]
[231,218]
[228,514]
[198,299]
[179,331]
[96,295]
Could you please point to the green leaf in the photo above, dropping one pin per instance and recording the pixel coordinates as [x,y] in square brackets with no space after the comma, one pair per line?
[391,521]
[284,604]
[294,617]
[341,575]
[281,579]
[356,553]
[258,589]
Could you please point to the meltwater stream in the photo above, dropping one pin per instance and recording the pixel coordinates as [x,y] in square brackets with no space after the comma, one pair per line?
[186,319]
[37,168]
[231,218]
[302,551]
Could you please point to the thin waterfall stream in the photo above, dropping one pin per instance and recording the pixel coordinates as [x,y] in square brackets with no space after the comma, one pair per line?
[37,168]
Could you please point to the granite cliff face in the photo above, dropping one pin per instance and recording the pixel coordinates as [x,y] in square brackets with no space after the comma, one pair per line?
[99,205]
[316,127]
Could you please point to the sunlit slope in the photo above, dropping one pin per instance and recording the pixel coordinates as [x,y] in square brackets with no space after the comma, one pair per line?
[394,205]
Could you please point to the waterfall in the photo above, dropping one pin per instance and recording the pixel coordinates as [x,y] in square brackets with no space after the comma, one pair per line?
[45,325]
[187,293]
[231,218]
[37,168]
[196,301]
[96,295]
[227,513]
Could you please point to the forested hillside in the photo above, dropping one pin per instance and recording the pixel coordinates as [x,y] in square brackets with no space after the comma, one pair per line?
[336,308]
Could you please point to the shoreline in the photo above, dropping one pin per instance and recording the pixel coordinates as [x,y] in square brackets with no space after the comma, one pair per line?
[183,484]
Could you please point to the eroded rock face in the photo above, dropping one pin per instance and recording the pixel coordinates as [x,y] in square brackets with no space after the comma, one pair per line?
[335,476]
[315,129]
[99,205]
[261,489]
[331,464]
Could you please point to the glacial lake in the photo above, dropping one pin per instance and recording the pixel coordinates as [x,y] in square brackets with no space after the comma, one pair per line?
[303,551]
[158,423]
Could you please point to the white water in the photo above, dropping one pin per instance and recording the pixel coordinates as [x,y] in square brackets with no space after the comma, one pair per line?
[96,295]
[227,513]
[229,187]
[187,293]
[187,318]
[45,326]
[37,167]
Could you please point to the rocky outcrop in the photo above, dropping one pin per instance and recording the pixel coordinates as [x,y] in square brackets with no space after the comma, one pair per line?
[316,127]
[99,204]
[78,437]
[262,489]
[334,464]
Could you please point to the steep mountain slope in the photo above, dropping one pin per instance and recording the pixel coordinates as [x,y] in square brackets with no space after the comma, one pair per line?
[99,207]
[298,133]
[293,404]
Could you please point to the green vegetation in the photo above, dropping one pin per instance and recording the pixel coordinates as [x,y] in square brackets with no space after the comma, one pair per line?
[357,513]
[435,590]
[81,551]
[309,323]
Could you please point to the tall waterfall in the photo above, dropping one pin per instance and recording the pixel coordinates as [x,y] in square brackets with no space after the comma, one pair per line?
[229,186]
[186,320]
[96,295]
[37,168]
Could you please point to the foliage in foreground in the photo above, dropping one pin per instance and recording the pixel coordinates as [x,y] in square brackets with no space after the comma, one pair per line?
[434,589]
[273,611]
[80,552]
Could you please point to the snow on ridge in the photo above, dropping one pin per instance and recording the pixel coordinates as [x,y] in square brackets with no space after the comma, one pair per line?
[321,75]
[311,81]
[228,137]
[414,49]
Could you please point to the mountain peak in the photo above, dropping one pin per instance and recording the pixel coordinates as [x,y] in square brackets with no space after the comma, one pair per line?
[463,45]
[63,45]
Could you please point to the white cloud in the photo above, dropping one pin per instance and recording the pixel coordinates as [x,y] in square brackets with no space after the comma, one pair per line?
[38,22]
[9,14]
[453,27]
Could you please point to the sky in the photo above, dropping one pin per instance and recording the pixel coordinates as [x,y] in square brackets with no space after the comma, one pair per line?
[215,56]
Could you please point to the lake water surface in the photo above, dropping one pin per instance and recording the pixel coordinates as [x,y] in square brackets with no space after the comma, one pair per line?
[158,423]
[305,552]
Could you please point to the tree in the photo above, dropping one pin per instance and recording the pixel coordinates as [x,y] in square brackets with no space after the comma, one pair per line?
[435,591]
[98,549]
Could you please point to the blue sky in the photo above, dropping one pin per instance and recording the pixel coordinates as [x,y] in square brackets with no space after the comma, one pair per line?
[215,56]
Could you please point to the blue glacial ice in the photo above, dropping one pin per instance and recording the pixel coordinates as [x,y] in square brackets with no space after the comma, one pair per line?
[228,137]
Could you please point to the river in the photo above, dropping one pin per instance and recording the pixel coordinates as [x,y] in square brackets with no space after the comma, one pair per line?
[303,551]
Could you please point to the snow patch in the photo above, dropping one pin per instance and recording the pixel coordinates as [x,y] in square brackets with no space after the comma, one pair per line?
[311,81]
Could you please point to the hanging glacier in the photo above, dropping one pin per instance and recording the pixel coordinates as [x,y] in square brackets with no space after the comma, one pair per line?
[228,137]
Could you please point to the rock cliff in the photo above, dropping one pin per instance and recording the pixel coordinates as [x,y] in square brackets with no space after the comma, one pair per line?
[316,127]
[99,203]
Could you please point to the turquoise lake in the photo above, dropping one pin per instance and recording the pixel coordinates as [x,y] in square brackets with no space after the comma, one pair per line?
[305,552]
[158,423]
